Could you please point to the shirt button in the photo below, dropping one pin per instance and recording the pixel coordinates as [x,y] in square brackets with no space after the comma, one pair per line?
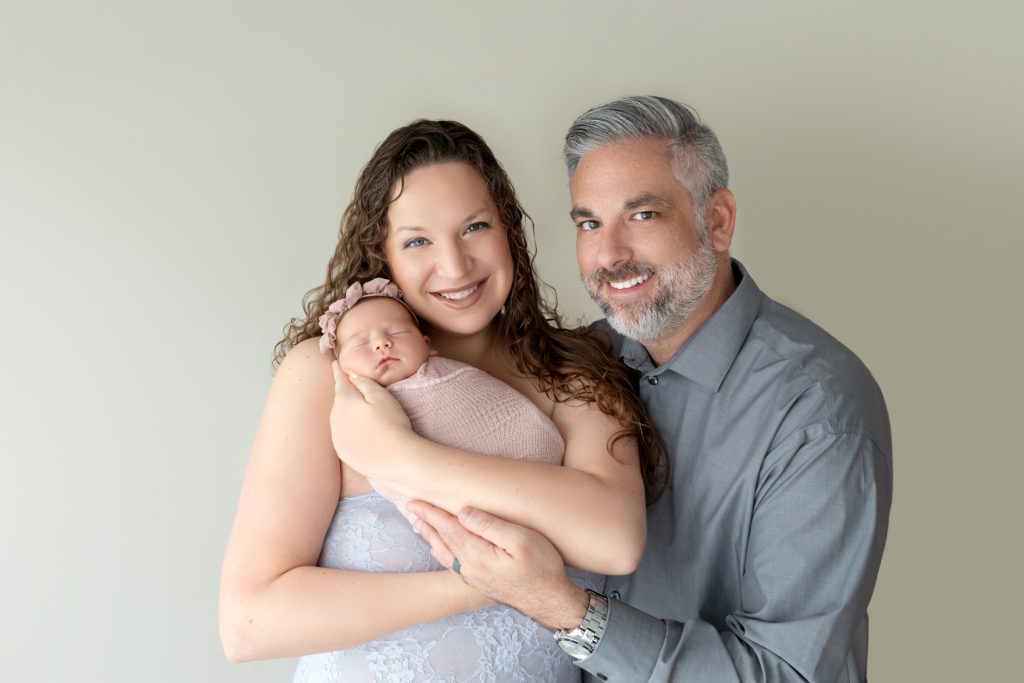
[652,380]
[615,594]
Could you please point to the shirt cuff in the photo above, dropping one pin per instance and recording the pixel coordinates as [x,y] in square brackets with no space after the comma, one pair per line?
[629,647]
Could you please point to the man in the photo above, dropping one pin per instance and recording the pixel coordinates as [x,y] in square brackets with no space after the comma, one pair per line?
[762,555]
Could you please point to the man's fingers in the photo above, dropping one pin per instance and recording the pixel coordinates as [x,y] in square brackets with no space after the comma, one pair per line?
[463,544]
[438,547]
[446,526]
[500,533]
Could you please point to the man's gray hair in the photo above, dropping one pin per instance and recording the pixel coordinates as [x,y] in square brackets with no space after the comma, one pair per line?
[697,157]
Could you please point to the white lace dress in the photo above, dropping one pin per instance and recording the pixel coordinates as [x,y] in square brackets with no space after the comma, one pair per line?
[491,645]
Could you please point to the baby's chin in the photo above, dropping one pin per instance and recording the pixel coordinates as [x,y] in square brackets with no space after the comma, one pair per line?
[385,381]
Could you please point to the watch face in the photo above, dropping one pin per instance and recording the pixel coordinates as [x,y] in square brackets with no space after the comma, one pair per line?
[573,648]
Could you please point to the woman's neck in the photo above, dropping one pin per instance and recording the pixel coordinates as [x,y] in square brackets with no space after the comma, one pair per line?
[482,350]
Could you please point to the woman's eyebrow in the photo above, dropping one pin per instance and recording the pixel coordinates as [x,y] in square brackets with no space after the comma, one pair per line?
[408,228]
[416,228]
[475,214]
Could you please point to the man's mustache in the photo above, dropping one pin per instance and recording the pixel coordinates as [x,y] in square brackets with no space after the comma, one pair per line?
[625,271]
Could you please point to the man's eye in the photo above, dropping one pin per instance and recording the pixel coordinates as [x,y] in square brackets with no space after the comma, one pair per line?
[643,215]
[414,242]
[587,225]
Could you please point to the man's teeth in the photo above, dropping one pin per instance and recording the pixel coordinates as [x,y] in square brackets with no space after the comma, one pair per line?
[626,284]
[456,296]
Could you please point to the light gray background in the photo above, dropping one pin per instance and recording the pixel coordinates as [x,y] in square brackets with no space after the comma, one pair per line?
[171,176]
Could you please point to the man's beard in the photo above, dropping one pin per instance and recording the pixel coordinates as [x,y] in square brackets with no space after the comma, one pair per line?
[681,288]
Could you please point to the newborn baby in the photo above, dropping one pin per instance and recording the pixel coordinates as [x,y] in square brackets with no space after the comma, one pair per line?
[375,334]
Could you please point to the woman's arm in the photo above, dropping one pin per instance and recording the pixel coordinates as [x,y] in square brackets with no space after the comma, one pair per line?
[274,600]
[591,509]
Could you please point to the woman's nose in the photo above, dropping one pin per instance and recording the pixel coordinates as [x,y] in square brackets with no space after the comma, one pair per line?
[455,262]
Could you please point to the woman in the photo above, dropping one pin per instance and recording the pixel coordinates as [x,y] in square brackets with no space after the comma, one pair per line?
[434,212]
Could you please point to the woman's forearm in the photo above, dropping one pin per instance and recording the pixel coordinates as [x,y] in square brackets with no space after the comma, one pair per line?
[315,609]
[594,518]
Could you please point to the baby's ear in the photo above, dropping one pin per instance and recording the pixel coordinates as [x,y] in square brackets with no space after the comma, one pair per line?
[433,351]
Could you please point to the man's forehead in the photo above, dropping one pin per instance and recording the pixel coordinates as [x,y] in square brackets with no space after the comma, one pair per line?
[624,179]
[623,159]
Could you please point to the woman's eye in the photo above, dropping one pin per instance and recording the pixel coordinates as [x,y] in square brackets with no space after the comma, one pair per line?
[473,227]
[414,242]
[643,215]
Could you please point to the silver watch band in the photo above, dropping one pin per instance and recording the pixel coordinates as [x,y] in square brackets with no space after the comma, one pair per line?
[581,642]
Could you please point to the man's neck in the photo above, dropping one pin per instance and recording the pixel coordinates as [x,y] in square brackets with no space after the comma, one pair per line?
[661,350]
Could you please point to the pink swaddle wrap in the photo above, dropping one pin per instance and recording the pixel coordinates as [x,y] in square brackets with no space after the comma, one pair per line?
[460,406]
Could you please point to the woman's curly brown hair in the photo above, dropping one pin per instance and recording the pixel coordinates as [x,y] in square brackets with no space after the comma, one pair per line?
[567,364]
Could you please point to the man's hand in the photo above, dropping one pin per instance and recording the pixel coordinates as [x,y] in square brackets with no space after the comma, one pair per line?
[508,562]
[367,423]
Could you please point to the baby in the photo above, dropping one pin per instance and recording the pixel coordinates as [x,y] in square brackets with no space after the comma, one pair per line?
[375,334]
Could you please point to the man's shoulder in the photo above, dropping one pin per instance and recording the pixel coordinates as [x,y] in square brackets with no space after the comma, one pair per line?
[827,380]
[805,345]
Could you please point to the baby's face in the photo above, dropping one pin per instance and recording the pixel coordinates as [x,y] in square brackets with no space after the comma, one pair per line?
[378,339]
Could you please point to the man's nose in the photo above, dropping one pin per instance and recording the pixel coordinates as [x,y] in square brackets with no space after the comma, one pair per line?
[613,248]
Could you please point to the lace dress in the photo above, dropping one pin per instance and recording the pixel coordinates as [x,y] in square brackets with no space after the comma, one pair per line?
[369,534]
[491,645]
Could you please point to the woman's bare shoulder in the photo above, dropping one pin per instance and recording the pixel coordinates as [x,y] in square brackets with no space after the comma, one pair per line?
[305,369]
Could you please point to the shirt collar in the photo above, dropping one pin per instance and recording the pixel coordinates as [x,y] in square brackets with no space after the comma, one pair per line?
[707,356]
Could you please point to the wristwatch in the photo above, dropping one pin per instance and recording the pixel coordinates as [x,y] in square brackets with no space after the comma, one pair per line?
[581,642]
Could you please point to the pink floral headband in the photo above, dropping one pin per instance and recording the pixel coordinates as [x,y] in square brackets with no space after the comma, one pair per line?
[371,289]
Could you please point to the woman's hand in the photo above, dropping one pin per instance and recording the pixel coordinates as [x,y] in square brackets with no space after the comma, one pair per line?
[367,424]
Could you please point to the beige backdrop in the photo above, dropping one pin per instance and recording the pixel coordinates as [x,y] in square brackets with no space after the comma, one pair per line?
[171,175]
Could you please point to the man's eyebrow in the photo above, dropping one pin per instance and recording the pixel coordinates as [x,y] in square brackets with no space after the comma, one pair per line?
[639,201]
[580,212]
[645,199]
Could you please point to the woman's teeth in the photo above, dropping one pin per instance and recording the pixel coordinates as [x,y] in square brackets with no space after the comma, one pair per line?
[456,296]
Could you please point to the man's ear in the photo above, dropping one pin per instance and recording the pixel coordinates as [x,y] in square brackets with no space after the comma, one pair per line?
[721,219]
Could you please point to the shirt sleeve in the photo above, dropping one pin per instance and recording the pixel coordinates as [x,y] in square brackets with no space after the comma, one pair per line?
[813,549]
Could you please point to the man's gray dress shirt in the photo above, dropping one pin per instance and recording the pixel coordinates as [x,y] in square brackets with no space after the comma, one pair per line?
[761,558]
